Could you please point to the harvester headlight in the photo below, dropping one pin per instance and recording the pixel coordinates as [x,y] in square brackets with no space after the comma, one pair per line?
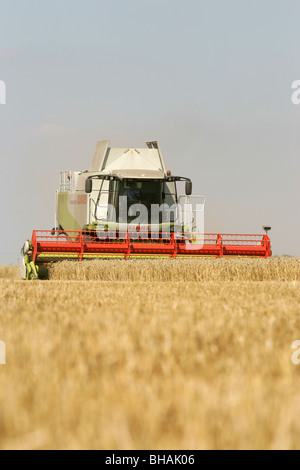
[267,228]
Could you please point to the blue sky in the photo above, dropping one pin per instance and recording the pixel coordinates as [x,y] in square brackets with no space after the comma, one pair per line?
[211,80]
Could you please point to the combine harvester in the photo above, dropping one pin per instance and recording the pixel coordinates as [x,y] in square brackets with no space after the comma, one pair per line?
[128,206]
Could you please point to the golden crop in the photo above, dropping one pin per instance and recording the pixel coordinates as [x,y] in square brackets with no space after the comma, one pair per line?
[192,270]
[187,354]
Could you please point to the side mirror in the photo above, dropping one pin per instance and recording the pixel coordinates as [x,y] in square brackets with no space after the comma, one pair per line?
[88,186]
[188,188]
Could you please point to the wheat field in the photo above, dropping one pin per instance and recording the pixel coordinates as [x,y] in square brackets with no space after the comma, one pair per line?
[152,355]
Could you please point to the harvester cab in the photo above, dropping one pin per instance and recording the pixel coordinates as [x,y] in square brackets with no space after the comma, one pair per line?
[127,205]
[118,184]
